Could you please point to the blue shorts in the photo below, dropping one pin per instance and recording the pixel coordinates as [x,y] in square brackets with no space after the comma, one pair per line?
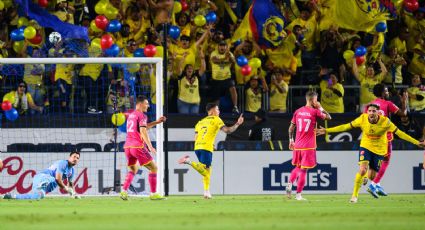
[374,159]
[204,156]
[43,182]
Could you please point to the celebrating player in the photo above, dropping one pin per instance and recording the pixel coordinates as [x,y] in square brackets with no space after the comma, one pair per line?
[47,180]
[386,108]
[137,147]
[205,132]
[304,147]
[374,142]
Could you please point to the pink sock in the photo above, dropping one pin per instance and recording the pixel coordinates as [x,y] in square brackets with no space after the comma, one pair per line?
[128,180]
[152,182]
[294,175]
[301,180]
[381,172]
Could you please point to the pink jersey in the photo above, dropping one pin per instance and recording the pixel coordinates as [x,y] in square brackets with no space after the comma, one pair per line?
[305,119]
[135,120]
[385,108]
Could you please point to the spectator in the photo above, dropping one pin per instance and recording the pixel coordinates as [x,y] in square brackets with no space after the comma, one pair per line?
[250,49]
[22,100]
[417,65]
[399,42]
[278,92]
[63,77]
[416,94]
[253,96]
[332,92]
[394,62]
[261,130]
[330,50]
[33,78]
[410,126]
[64,11]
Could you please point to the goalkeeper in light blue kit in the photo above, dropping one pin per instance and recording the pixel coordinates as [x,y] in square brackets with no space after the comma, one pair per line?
[47,180]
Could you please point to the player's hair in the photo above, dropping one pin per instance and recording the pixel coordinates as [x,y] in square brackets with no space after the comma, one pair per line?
[210,106]
[141,99]
[373,105]
[310,94]
[74,152]
[378,89]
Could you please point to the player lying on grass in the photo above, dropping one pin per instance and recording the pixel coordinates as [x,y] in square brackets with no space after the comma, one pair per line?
[47,180]
[373,145]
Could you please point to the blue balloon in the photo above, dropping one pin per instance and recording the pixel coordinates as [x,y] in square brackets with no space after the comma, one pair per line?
[112,51]
[17,35]
[242,61]
[211,17]
[381,27]
[113,26]
[140,52]
[174,32]
[237,42]
[360,51]
[12,114]
[123,127]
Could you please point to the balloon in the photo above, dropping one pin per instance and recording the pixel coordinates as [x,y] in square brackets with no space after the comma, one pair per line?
[7,3]
[30,32]
[22,21]
[100,7]
[17,46]
[177,7]
[36,40]
[118,119]
[113,26]
[211,17]
[139,53]
[106,41]
[237,42]
[6,105]
[381,27]
[12,114]
[360,51]
[200,20]
[246,70]
[15,35]
[185,6]
[113,51]
[111,12]
[101,22]
[94,27]
[150,50]
[242,61]
[348,55]
[360,60]
[255,63]
[43,3]
[174,32]
[1,5]
[123,127]
[411,5]
[95,43]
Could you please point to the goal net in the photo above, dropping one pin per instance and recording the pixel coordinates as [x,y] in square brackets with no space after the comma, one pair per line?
[58,105]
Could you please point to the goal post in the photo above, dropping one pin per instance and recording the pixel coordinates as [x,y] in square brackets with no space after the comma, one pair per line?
[157,62]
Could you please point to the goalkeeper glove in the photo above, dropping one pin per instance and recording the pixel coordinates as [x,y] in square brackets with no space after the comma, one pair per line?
[70,191]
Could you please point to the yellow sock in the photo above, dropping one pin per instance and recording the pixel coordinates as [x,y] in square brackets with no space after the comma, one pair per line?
[199,167]
[357,184]
[206,179]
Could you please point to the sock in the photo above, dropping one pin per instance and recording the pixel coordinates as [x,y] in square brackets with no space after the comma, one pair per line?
[381,172]
[152,182]
[357,184]
[294,175]
[301,179]
[128,180]
[199,167]
[206,179]
[29,196]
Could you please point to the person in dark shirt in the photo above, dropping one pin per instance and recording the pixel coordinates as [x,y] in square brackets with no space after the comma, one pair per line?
[261,130]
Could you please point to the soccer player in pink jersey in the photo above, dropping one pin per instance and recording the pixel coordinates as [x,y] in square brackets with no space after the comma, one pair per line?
[138,145]
[387,108]
[304,146]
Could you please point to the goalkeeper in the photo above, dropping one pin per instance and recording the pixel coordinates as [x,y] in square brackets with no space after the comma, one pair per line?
[47,180]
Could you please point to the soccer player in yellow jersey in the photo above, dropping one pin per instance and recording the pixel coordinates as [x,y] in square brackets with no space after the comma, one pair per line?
[205,132]
[373,145]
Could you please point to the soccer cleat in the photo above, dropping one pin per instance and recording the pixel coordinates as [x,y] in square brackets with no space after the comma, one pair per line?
[299,197]
[380,190]
[124,195]
[353,199]
[288,190]
[184,159]
[156,196]
[207,195]
[372,190]
[7,196]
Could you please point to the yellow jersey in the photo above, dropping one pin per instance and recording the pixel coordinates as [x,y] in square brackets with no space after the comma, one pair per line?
[278,99]
[206,130]
[220,71]
[331,102]
[189,92]
[92,70]
[366,86]
[253,100]
[64,72]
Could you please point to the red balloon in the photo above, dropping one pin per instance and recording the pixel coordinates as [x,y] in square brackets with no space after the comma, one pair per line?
[43,3]
[185,6]
[101,22]
[411,5]
[6,105]
[360,60]
[36,40]
[150,50]
[106,41]
[246,70]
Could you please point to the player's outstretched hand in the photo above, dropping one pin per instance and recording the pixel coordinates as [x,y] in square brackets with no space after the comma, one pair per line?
[162,119]
[422,144]
[240,119]
[320,131]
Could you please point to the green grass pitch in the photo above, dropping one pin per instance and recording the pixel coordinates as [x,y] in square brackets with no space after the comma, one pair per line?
[222,212]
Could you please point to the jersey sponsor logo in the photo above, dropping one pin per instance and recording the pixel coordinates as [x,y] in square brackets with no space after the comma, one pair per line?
[419,178]
[322,177]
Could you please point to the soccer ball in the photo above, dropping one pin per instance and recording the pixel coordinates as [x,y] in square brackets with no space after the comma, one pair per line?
[55,37]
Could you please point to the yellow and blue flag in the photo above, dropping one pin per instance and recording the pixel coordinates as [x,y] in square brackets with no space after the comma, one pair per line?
[264,23]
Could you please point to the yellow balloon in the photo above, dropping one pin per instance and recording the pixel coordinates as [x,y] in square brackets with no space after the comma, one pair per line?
[348,55]
[177,7]
[17,46]
[118,119]
[94,27]
[1,5]
[101,7]
[200,20]
[96,43]
[255,63]
[22,21]
[159,51]
[7,3]
[111,12]
[30,32]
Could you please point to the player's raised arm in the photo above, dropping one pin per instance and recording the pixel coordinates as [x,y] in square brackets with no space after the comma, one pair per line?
[233,128]
[318,106]
[153,123]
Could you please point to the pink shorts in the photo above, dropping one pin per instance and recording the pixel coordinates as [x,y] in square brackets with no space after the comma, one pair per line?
[138,154]
[304,158]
